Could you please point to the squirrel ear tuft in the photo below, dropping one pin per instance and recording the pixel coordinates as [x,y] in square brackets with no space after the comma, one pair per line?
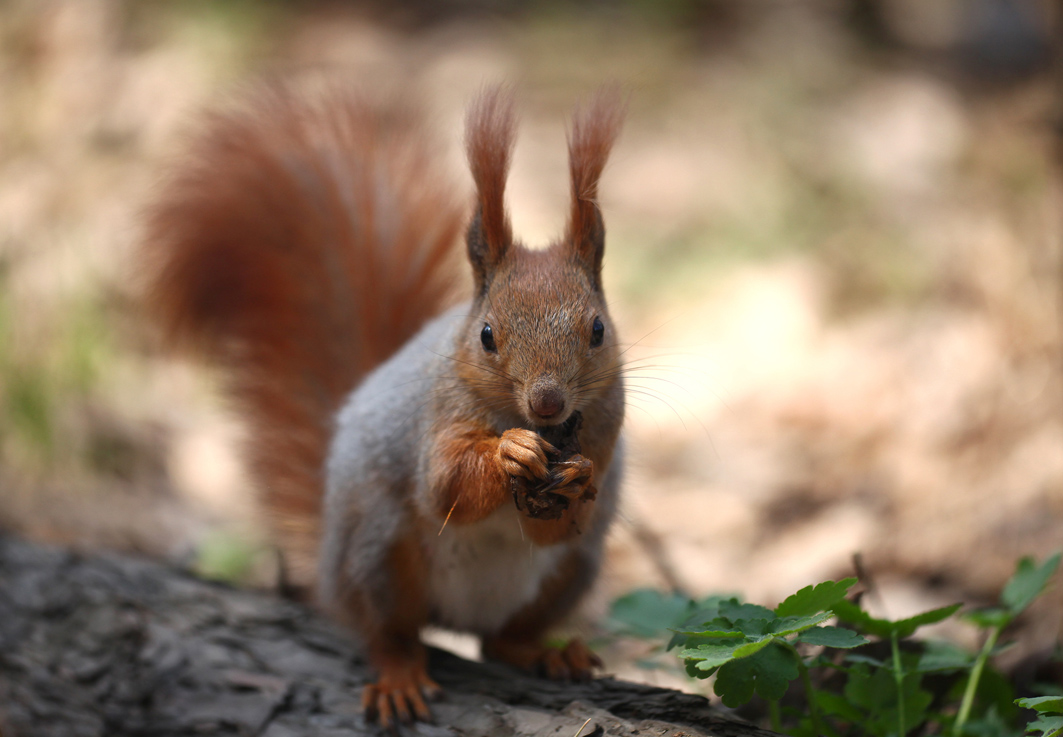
[595,128]
[490,127]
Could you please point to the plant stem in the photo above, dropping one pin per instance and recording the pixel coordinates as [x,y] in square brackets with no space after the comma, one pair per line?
[813,710]
[773,712]
[972,681]
[898,677]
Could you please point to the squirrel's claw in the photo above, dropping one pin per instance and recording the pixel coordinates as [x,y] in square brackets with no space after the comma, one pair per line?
[581,661]
[574,662]
[401,698]
[571,478]
[522,453]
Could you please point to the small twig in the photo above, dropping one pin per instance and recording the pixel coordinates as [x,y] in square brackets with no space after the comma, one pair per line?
[582,726]
[657,553]
[864,576]
[452,507]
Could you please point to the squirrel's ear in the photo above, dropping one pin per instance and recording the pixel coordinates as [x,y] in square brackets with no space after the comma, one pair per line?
[489,136]
[594,130]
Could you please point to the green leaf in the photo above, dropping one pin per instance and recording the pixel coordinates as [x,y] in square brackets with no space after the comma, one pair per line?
[712,655]
[1027,583]
[865,687]
[832,703]
[876,692]
[916,702]
[943,656]
[735,682]
[710,633]
[814,599]
[990,724]
[1043,704]
[1047,726]
[744,651]
[647,613]
[907,627]
[994,617]
[700,617]
[733,611]
[694,672]
[711,636]
[767,672]
[790,625]
[754,627]
[867,659]
[677,640]
[701,612]
[846,611]
[832,637]
[824,660]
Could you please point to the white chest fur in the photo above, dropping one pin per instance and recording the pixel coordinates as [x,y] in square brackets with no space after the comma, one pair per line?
[485,572]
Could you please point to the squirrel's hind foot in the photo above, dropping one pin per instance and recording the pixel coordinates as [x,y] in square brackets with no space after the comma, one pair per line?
[573,662]
[399,694]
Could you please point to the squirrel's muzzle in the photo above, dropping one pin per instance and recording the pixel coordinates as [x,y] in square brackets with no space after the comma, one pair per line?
[546,400]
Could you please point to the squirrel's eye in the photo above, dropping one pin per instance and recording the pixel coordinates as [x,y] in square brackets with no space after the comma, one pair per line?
[597,333]
[487,339]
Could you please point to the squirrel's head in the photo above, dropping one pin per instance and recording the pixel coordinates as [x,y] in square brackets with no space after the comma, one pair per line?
[539,341]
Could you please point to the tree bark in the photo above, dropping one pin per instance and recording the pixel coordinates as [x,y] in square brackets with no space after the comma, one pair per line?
[111,646]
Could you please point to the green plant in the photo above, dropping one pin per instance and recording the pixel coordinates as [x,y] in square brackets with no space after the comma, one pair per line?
[866,678]
[1049,715]
[1024,586]
[752,649]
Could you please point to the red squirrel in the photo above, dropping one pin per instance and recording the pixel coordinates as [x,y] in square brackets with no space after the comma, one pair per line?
[304,247]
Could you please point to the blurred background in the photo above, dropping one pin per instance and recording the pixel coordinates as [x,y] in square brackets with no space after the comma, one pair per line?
[834,239]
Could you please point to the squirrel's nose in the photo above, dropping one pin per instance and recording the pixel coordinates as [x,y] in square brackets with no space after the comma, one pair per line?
[547,403]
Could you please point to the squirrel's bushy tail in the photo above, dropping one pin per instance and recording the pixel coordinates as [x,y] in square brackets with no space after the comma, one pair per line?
[306,237]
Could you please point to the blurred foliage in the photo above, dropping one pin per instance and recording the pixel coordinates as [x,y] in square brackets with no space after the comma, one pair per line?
[44,384]
[247,28]
[225,555]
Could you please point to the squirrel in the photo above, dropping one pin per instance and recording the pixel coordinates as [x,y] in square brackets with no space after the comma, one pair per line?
[444,465]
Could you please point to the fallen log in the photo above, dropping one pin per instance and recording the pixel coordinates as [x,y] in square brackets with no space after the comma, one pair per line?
[109,646]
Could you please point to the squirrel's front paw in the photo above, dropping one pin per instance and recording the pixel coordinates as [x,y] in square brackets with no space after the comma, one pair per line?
[572,477]
[522,453]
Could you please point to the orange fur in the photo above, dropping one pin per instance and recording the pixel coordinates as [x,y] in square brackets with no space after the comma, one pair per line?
[545,277]
[392,637]
[591,138]
[468,482]
[306,236]
[490,133]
